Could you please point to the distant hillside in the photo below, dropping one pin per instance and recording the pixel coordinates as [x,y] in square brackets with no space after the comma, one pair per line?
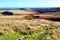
[41,10]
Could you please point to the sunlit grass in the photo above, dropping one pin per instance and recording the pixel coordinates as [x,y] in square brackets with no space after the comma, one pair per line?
[11,29]
[12,36]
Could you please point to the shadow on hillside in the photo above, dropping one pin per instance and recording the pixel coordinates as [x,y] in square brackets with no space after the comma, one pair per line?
[7,13]
[55,19]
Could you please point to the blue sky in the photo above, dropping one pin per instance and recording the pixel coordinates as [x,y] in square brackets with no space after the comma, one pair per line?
[29,3]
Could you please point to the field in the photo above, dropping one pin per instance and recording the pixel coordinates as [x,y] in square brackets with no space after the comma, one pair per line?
[16,27]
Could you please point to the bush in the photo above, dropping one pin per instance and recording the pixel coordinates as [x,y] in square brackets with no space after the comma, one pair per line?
[1,33]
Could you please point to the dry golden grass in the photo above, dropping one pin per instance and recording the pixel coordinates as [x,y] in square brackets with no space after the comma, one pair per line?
[20,24]
[13,24]
[19,11]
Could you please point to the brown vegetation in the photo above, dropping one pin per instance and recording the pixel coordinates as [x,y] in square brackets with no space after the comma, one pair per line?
[19,24]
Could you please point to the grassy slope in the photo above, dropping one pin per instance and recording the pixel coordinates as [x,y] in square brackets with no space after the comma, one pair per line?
[14,28]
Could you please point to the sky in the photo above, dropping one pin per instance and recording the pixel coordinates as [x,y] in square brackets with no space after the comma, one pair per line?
[29,3]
